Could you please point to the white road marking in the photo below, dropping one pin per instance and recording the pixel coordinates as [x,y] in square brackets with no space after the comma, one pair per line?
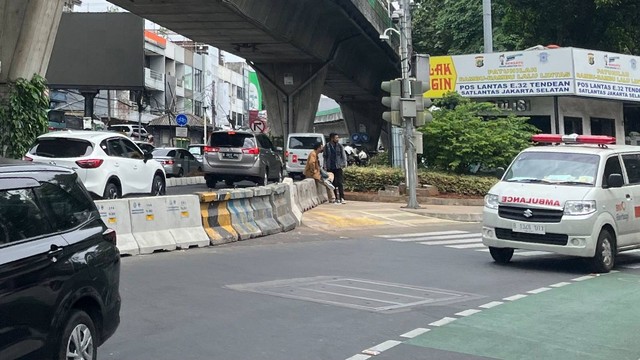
[433,233]
[468,312]
[359,357]
[441,237]
[583,278]
[452,242]
[539,290]
[467,246]
[560,284]
[515,297]
[491,304]
[415,332]
[384,346]
[443,321]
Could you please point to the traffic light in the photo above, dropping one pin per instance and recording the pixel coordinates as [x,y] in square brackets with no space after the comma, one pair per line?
[423,115]
[394,88]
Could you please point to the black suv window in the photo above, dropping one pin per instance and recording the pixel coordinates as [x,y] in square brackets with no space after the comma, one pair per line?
[232,139]
[66,202]
[61,148]
[20,216]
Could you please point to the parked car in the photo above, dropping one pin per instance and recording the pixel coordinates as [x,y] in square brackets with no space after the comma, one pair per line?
[132,131]
[145,146]
[59,266]
[240,155]
[109,165]
[299,145]
[177,162]
[197,150]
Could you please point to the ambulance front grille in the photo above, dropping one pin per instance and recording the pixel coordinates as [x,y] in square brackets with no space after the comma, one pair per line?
[530,214]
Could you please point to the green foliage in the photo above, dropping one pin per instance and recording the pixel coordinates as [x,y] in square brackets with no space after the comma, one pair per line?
[459,138]
[380,159]
[23,116]
[455,26]
[364,179]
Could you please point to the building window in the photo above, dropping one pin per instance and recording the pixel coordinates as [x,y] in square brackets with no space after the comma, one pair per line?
[197,79]
[188,77]
[197,108]
[603,126]
[240,93]
[188,105]
[543,123]
[572,125]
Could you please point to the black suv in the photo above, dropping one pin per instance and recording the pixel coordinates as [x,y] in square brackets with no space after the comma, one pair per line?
[59,266]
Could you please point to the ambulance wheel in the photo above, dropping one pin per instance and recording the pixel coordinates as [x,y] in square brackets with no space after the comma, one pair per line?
[604,259]
[501,255]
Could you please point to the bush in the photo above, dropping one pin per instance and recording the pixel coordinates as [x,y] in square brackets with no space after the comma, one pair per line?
[380,159]
[459,138]
[363,179]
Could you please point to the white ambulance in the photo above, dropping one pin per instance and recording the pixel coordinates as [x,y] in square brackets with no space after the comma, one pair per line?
[573,194]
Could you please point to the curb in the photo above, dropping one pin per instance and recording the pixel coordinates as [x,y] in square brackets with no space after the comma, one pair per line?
[355,196]
[473,218]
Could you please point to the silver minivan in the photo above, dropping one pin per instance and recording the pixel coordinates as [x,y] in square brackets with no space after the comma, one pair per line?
[299,145]
[240,155]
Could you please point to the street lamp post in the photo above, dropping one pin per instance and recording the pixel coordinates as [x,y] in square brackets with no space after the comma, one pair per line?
[204,109]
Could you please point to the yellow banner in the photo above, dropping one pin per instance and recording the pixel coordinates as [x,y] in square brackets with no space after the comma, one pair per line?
[442,76]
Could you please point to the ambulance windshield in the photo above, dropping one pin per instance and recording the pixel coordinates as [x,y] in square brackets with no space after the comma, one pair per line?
[554,168]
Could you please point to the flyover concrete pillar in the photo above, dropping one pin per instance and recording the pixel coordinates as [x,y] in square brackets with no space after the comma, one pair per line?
[27,33]
[364,117]
[291,93]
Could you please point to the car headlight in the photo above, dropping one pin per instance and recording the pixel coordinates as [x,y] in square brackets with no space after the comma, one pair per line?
[491,201]
[579,207]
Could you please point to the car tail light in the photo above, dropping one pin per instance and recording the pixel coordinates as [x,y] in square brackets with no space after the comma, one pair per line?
[109,235]
[286,154]
[167,162]
[251,151]
[211,149]
[90,163]
[294,158]
[26,158]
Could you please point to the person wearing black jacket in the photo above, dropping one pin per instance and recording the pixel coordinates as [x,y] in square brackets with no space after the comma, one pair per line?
[335,159]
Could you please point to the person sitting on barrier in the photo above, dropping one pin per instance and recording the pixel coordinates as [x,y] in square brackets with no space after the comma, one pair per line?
[313,170]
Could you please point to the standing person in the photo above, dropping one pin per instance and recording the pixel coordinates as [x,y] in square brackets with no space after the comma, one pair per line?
[335,159]
[313,170]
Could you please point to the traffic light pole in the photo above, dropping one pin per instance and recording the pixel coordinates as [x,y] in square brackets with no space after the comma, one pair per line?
[410,149]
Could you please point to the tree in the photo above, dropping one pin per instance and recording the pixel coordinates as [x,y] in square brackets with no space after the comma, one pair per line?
[459,138]
[23,116]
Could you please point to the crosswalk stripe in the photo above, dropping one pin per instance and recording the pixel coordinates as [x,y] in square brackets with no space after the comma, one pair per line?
[433,233]
[467,246]
[440,237]
[452,242]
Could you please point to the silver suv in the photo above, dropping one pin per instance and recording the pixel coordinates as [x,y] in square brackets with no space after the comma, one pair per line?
[233,156]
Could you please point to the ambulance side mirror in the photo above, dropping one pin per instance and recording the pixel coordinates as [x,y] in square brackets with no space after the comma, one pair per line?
[615,181]
[499,172]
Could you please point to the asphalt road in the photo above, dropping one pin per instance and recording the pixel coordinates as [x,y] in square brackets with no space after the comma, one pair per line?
[413,288]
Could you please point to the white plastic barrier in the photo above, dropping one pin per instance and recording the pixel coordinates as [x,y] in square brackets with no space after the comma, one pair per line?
[150,224]
[115,214]
[184,221]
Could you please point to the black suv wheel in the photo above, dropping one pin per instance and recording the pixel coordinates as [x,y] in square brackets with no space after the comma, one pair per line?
[79,338]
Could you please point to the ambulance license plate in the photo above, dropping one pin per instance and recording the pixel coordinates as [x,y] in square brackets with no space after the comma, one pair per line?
[528,228]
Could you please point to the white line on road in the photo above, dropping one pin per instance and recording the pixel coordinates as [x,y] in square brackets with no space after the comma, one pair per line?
[560,284]
[413,333]
[443,237]
[467,246]
[433,233]
[515,297]
[384,346]
[539,290]
[443,321]
[468,312]
[491,304]
[359,357]
[583,278]
[452,242]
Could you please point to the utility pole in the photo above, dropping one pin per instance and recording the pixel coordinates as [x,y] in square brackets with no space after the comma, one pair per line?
[488,29]
[410,149]
[204,108]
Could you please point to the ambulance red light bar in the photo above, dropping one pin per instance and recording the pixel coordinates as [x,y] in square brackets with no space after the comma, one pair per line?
[573,139]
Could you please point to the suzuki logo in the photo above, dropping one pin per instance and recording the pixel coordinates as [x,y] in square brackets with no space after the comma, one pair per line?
[52,163]
[528,213]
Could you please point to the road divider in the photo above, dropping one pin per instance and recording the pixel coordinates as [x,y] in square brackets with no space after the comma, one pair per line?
[184,221]
[150,225]
[263,210]
[282,207]
[115,214]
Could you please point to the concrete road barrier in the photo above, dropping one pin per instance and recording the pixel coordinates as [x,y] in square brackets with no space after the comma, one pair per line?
[323,197]
[115,214]
[282,210]
[313,190]
[294,201]
[184,221]
[263,211]
[150,225]
[241,213]
[216,218]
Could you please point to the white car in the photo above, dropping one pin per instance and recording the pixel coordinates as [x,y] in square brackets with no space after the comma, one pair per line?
[110,165]
[132,131]
[580,197]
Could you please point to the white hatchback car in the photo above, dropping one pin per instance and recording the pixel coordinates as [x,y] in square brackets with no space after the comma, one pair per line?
[110,165]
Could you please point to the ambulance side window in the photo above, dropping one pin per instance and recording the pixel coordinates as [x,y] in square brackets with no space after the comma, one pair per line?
[632,165]
[611,167]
